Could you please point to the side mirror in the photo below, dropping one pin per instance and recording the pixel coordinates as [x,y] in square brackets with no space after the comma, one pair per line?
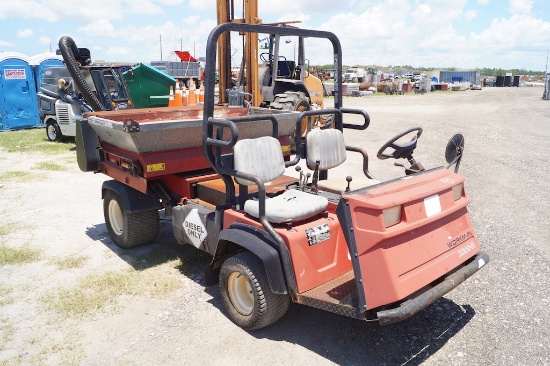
[454,150]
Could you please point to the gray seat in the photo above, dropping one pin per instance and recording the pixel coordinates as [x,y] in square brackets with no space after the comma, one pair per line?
[263,158]
[329,149]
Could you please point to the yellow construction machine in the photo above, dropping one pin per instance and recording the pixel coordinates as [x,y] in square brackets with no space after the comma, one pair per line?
[272,81]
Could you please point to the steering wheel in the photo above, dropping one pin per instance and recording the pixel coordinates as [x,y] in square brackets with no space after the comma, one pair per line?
[400,150]
[266,57]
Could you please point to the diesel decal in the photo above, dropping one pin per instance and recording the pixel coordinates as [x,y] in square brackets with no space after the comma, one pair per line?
[460,239]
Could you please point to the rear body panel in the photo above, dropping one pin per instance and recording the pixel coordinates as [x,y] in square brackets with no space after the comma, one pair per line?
[434,237]
[317,247]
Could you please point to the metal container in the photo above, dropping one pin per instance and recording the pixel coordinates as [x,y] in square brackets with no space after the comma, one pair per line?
[174,128]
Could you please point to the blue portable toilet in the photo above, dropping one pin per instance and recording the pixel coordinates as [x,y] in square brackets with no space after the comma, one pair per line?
[41,62]
[18,108]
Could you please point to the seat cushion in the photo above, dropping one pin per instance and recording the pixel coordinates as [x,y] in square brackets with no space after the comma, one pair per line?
[292,205]
[338,185]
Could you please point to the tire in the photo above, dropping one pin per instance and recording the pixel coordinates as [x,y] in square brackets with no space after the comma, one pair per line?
[292,101]
[246,294]
[327,121]
[53,132]
[128,229]
[354,80]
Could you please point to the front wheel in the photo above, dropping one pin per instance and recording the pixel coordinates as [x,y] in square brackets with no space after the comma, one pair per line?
[246,294]
[53,132]
[128,229]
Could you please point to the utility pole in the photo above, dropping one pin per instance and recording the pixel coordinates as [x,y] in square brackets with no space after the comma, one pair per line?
[160,44]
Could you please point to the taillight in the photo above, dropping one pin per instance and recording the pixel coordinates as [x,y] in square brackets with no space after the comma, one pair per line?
[458,191]
[392,215]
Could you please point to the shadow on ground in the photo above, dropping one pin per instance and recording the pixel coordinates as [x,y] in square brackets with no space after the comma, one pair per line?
[342,340]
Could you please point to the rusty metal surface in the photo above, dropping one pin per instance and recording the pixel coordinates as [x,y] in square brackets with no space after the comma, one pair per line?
[213,191]
[336,296]
[169,128]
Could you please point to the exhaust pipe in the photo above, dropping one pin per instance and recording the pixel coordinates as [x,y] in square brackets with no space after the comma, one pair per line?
[70,54]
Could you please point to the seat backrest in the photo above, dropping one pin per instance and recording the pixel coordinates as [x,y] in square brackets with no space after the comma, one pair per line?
[327,147]
[285,69]
[262,157]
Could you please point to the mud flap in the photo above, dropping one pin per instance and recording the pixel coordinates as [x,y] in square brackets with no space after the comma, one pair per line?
[87,144]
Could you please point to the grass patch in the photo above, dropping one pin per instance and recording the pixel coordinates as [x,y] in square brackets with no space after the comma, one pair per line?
[47,165]
[103,292]
[5,291]
[7,228]
[18,255]
[69,262]
[6,330]
[33,140]
[17,175]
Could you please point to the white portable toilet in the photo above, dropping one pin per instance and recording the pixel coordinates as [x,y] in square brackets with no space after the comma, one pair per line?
[18,106]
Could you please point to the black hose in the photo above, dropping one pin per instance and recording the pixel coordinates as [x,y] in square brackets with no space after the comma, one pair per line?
[70,53]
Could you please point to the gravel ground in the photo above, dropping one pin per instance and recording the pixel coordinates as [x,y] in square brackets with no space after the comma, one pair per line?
[498,317]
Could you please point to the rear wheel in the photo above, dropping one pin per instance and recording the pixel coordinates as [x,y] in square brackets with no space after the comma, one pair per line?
[129,229]
[53,132]
[246,294]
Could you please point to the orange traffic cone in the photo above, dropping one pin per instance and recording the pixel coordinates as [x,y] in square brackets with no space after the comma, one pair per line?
[177,96]
[183,95]
[192,100]
[201,93]
[171,97]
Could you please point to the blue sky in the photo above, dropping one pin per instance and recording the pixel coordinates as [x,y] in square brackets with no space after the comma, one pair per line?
[445,33]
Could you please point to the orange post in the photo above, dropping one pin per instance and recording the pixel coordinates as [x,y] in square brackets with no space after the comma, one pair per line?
[171,97]
[192,100]
[177,96]
[183,95]
[201,93]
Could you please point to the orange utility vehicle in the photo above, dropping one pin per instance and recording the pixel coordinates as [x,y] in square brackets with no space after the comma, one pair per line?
[358,247]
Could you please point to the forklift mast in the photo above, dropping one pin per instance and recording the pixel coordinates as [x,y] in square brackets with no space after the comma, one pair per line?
[226,14]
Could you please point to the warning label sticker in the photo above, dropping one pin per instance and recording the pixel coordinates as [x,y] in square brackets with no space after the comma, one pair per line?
[14,74]
[156,167]
[318,234]
[194,228]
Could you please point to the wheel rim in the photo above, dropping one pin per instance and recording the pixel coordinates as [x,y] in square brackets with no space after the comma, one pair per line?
[240,293]
[51,132]
[115,217]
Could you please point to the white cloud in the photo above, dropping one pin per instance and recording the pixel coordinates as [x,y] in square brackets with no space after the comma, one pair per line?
[470,14]
[118,51]
[203,5]
[99,28]
[25,33]
[520,6]
[44,41]
[5,44]
[170,2]
[144,7]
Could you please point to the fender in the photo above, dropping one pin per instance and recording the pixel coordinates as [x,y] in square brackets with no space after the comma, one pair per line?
[263,250]
[130,199]
[283,85]
[87,147]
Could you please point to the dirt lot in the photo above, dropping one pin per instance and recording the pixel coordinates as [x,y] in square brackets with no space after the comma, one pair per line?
[71,297]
